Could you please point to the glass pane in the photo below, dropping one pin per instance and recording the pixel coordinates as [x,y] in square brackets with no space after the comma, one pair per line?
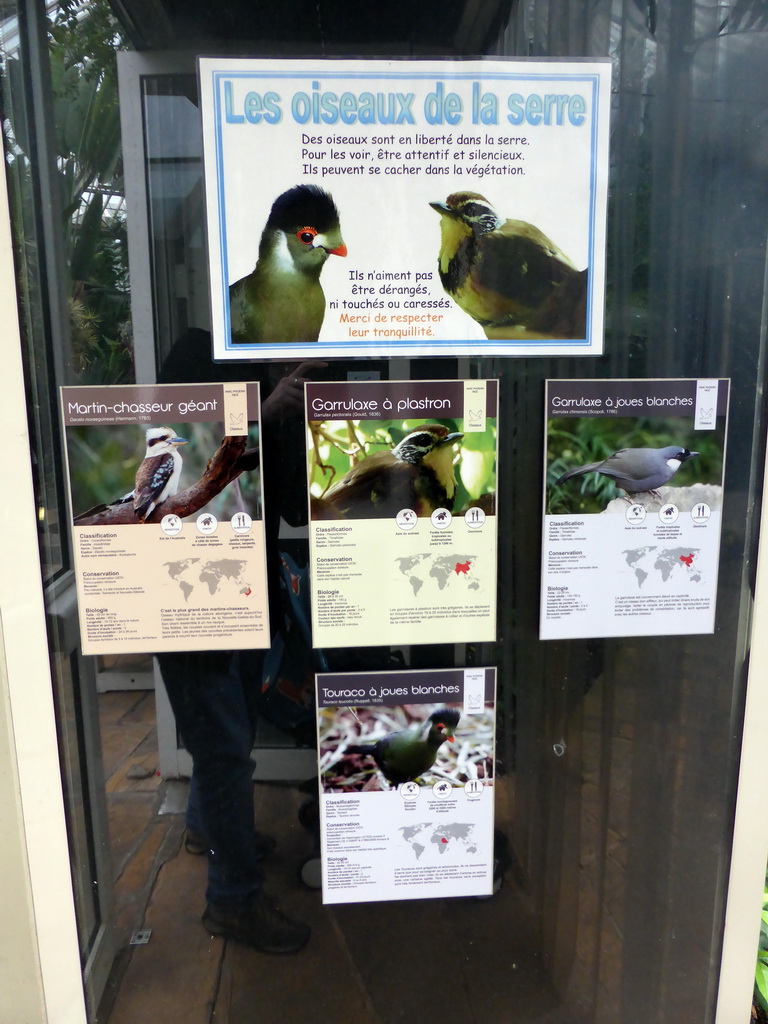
[616,757]
[616,773]
[173,142]
[69,712]
[25,203]
[62,148]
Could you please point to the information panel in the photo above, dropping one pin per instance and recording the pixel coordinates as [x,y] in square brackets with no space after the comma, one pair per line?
[405,207]
[168,534]
[632,507]
[406,775]
[402,492]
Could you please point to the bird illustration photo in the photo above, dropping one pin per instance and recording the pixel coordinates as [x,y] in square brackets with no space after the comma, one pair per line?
[405,755]
[157,478]
[636,469]
[417,473]
[282,299]
[506,274]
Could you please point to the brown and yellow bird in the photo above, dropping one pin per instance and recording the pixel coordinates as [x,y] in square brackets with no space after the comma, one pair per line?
[506,274]
[418,473]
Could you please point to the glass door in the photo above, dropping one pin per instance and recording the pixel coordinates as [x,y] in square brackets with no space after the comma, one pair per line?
[616,757]
[50,237]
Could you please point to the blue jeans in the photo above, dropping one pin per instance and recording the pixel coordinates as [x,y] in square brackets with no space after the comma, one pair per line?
[213,695]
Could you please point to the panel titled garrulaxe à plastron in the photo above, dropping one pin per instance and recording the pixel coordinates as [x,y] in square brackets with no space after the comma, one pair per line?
[402,491]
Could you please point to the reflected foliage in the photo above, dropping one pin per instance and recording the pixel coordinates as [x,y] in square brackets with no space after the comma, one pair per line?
[82,54]
[760,1008]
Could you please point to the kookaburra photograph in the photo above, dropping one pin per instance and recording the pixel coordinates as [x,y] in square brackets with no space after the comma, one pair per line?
[131,474]
[373,469]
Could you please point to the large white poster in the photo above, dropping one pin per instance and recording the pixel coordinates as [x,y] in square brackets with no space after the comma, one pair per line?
[393,207]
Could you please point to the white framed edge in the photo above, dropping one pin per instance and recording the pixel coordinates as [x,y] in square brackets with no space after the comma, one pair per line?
[749,848]
[227,244]
[29,697]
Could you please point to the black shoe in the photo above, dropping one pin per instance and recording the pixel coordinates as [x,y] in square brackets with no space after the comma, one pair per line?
[257,923]
[195,844]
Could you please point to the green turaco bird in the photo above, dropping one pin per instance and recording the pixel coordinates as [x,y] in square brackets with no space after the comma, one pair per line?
[282,300]
[404,756]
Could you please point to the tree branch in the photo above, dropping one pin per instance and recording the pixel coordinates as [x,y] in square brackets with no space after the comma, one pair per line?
[231,459]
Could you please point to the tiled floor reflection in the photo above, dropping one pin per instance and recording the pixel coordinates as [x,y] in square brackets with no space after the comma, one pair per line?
[381,963]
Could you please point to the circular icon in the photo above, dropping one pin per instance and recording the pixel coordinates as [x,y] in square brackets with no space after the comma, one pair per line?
[409,790]
[474,518]
[241,522]
[474,787]
[441,518]
[442,789]
[701,512]
[171,525]
[406,519]
[635,514]
[668,513]
[206,523]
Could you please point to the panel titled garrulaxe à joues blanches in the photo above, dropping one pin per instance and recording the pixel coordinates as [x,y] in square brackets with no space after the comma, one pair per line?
[168,534]
[632,506]
[402,493]
[360,207]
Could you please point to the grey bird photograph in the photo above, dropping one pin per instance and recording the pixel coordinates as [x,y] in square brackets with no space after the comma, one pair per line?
[591,461]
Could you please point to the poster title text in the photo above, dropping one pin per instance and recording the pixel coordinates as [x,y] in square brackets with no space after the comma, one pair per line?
[440,106]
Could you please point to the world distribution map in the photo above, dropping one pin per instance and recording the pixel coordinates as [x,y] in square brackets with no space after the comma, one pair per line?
[187,574]
[668,563]
[442,570]
[440,839]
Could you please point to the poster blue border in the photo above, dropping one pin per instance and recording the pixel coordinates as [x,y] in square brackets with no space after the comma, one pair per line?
[483,345]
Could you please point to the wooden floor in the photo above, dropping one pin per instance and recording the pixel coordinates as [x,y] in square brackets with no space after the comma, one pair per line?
[382,963]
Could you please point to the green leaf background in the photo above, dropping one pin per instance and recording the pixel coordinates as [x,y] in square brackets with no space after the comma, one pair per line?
[475,460]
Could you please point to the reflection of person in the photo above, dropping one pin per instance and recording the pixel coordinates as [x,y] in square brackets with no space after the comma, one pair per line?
[418,474]
[213,694]
[282,299]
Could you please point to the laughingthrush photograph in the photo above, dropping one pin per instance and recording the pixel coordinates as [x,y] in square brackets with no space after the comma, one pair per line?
[512,279]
